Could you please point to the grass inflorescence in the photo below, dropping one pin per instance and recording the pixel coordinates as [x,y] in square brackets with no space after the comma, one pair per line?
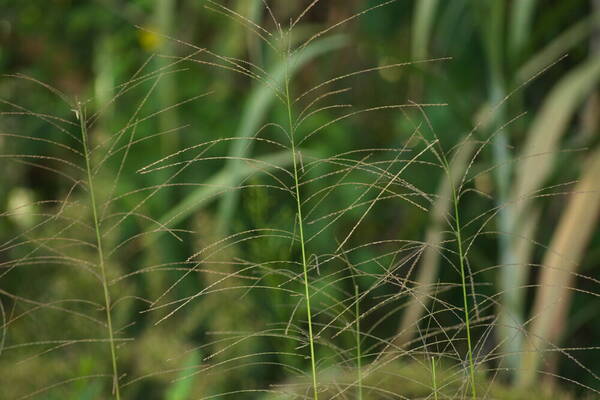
[289,259]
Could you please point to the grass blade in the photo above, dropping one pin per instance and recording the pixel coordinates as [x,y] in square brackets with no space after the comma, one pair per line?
[537,161]
[561,261]
[215,186]
[559,46]
[182,389]
[520,26]
[424,17]
[255,112]
[538,154]
[428,269]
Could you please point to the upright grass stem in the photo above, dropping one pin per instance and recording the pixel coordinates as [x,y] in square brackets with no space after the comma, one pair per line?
[434,379]
[301,231]
[107,302]
[358,350]
[463,277]
[464,289]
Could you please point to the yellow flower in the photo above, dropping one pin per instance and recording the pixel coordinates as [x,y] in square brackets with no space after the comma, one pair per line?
[149,40]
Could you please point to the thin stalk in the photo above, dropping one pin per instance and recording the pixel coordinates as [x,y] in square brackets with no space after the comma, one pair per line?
[433,377]
[358,351]
[428,270]
[301,231]
[464,290]
[82,122]
[461,255]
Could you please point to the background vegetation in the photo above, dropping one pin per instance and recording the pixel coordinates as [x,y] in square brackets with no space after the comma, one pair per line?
[145,144]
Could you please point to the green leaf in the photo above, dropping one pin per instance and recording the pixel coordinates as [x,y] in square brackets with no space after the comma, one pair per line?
[181,389]
[548,127]
[521,14]
[558,47]
[424,17]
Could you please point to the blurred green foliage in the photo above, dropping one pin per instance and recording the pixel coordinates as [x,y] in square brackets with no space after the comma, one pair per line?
[86,49]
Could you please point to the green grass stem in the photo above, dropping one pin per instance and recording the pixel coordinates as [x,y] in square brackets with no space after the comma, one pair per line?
[464,292]
[302,242]
[358,349]
[434,379]
[107,303]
